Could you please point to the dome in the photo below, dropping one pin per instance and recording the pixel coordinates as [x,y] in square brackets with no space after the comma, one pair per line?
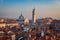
[21,17]
[26,21]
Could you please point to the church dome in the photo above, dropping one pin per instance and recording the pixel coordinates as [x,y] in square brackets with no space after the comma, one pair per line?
[21,17]
[26,21]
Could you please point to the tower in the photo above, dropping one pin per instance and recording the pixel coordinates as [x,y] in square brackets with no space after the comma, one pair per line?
[34,16]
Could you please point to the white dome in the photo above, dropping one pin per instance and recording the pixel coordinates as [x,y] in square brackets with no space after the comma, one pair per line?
[26,21]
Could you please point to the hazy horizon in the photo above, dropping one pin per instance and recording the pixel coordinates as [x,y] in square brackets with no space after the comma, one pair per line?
[44,8]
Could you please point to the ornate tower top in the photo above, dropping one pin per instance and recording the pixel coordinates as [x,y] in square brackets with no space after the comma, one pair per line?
[34,11]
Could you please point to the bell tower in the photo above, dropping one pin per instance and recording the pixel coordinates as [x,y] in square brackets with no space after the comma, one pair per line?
[34,16]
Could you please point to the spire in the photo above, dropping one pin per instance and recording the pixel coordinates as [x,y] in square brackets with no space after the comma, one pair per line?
[34,9]
[21,14]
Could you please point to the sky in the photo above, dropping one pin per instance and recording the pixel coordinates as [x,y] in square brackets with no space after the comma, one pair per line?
[44,8]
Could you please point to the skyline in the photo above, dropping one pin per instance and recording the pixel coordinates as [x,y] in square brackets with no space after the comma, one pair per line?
[44,8]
